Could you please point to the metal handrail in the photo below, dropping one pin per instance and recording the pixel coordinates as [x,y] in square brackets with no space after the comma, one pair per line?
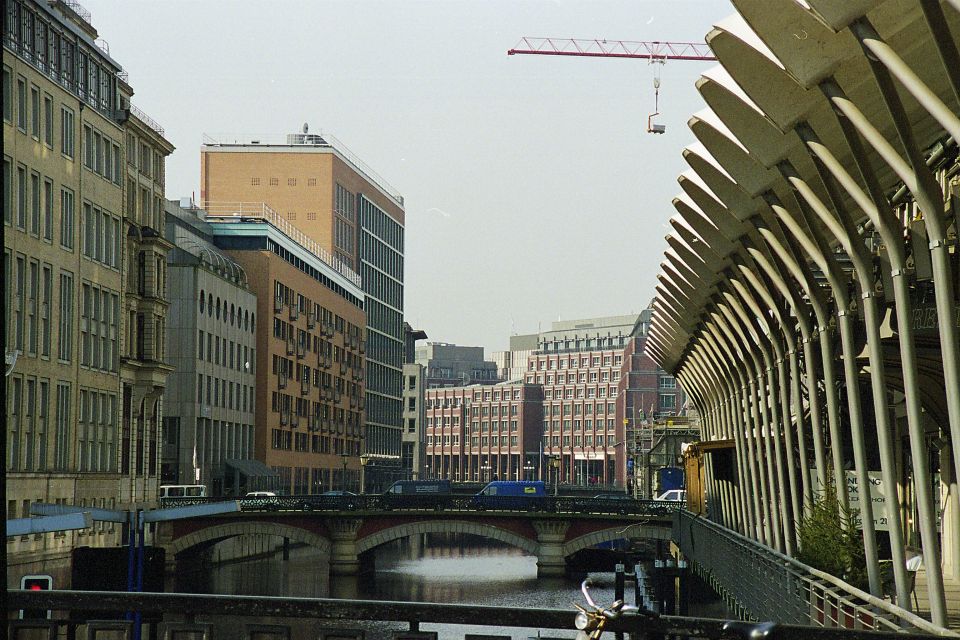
[227,212]
[449,503]
[782,587]
[288,608]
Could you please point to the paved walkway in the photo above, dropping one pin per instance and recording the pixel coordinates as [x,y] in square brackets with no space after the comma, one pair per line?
[952,591]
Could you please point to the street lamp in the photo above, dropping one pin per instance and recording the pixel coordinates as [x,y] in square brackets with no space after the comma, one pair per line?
[555,463]
[364,461]
[528,470]
[343,478]
[486,472]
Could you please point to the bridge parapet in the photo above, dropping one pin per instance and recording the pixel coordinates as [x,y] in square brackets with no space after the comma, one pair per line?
[782,588]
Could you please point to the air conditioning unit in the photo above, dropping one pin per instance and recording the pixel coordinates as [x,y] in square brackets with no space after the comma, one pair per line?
[278,304]
[282,381]
[294,312]
[311,320]
[291,348]
[301,350]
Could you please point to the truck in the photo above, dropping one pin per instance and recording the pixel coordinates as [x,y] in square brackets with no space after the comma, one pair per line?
[420,487]
[512,495]
[417,494]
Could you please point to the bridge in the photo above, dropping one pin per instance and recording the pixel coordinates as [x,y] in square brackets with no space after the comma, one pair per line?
[344,528]
[808,300]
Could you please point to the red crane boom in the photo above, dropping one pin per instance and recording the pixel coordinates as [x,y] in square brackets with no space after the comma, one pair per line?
[613,49]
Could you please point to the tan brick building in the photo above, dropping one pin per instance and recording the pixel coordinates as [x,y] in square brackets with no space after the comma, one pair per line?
[357,221]
[70,279]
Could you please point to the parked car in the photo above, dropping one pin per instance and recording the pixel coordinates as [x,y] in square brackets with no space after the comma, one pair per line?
[339,499]
[261,501]
[673,495]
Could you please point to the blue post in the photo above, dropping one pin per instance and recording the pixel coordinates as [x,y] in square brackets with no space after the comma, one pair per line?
[131,550]
[138,616]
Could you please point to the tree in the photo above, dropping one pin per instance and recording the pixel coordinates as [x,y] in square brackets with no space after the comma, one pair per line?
[831,542]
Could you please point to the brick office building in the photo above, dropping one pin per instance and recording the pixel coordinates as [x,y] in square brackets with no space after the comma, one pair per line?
[484,432]
[310,364]
[328,194]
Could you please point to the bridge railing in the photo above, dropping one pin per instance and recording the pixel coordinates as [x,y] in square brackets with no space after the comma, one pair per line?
[765,584]
[212,617]
[454,503]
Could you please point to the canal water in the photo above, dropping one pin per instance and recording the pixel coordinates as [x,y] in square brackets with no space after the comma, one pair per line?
[459,569]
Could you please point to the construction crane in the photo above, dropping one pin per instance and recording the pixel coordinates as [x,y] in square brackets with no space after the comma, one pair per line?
[656,52]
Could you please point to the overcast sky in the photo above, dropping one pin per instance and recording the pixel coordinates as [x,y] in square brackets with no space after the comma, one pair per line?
[532,189]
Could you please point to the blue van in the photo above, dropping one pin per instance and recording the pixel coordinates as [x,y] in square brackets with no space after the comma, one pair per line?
[510,495]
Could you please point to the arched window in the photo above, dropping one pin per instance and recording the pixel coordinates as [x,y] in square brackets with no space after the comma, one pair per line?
[233,315]
[202,300]
[246,320]
[210,304]
[218,308]
[253,323]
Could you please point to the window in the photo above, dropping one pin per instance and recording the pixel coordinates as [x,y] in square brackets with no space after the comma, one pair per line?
[67,230]
[21,104]
[65,349]
[67,140]
[35,204]
[35,112]
[47,210]
[255,182]
[48,121]
[7,191]
[7,95]
[88,147]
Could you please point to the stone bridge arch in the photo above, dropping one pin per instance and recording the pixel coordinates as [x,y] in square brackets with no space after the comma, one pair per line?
[447,526]
[216,533]
[649,532]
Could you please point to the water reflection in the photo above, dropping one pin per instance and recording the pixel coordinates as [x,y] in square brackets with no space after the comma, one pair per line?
[439,568]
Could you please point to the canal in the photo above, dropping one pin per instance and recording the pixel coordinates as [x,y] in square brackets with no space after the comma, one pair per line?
[442,568]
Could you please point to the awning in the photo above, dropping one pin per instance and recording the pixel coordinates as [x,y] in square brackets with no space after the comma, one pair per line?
[252,468]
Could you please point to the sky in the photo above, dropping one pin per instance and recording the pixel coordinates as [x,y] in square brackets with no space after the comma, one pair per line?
[532,190]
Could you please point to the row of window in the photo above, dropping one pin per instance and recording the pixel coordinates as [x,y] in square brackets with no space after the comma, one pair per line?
[578,425]
[275,182]
[218,440]
[96,426]
[99,327]
[58,53]
[225,353]
[29,440]
[578,393]
[579,344]
[101,154]
[237,317]
[582,377]
[29,295]
[588,441]
[574,361]
[224,394]
[314,273]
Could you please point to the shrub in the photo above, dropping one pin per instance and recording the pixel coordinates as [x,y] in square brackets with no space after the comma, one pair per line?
[831,542]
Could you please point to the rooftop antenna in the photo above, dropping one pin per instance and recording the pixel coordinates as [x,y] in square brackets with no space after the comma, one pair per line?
[306,128]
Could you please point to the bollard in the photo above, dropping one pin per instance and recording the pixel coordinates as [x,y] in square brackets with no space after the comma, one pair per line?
[619,582]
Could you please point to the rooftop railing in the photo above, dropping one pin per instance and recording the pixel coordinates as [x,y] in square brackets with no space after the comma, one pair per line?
[305,140]
[765,584]
[147,120]
[234,212]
